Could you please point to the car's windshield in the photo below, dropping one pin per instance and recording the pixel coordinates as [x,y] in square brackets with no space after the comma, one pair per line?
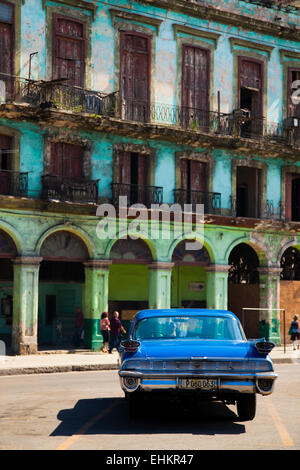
[181,327]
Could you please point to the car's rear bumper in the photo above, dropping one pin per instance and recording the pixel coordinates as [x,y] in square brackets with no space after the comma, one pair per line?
[262,382]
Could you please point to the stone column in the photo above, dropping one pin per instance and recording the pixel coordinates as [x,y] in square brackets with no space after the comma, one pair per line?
[160,284]
[95,300]
[269,298]
[25,305]
[217,286]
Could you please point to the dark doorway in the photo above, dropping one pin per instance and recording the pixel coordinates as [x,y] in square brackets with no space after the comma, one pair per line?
[248,192]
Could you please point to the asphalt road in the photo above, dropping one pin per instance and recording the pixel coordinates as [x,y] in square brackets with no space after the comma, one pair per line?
[86,410]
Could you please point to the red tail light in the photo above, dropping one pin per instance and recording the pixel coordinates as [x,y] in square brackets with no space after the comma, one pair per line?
[130,345]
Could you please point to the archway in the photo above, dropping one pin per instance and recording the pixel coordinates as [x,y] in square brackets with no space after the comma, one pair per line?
[129,277]
[189,276]
[290,286]
[61,282]
[8,251]
[243,287]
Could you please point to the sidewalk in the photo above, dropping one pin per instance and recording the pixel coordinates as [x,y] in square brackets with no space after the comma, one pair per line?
[81,360]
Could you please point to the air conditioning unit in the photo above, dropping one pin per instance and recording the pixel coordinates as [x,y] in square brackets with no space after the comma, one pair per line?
[241,113]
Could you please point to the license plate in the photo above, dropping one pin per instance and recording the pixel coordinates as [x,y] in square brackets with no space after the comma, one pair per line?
[202,384]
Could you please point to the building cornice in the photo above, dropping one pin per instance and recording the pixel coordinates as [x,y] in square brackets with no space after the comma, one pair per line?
[224,17]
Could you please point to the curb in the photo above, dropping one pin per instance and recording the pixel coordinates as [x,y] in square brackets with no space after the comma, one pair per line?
[56,369]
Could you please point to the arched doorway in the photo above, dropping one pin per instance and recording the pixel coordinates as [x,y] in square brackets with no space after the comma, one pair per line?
[61,281]
[8,251]
[189,276]
[129,278]
[289,286]
[243,287]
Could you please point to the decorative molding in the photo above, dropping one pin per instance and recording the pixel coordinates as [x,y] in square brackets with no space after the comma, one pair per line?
[196,33]
[81,4]
[286,53]
[126,15]
[254,45]
[160,265]
[98,263]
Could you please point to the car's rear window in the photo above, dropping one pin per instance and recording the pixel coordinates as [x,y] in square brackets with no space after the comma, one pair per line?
[183,327]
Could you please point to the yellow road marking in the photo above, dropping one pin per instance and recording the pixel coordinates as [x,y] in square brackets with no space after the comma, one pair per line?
[286,439]
[65,445]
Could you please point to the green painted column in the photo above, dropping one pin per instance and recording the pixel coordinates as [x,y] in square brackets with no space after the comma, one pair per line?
[25,305]
[95,301]
[160,284]
[217,286]
[269,299]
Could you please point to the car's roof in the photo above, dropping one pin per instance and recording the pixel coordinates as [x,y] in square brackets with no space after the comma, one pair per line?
[171,312]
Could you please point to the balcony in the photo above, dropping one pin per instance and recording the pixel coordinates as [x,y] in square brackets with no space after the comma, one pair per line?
[137,194]
[58,95]
[13,183]
[211,201]
[63,189]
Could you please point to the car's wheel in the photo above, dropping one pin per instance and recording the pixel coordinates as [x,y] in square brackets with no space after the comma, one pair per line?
[246,406]
[135,404]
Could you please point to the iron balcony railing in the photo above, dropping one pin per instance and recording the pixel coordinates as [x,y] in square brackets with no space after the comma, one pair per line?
[269,210]
[13,183]
[60,188]
[137,194]
[211,201]
[58,94]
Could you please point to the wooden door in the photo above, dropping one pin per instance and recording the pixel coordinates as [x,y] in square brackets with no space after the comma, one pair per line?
[288,196]
[67,160]
[5,164]
[6,47]
[195,86]
[69,50]
[135,76]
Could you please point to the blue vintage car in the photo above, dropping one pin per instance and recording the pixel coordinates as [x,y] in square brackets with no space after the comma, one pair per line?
[199,353]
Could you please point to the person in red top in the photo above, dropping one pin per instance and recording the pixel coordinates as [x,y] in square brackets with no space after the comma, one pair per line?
[79,325]
[115,329]
[105,327]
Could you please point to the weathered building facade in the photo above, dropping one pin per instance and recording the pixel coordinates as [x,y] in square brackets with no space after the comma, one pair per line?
[175,102]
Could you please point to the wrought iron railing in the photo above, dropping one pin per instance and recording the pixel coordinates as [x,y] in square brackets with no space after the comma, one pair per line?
[268,211]
[60,95]
[211,201]
[59,188]
[137,194]
[13,183]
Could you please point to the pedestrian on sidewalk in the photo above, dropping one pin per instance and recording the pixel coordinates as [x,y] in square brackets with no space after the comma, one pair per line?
[79,327]
[295,332]
[105,327]
[115,330]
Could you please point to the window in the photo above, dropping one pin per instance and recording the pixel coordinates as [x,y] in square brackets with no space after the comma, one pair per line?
[195,86]
[293,98]
[251,96]
[69,46]
[6,48]
[135,76]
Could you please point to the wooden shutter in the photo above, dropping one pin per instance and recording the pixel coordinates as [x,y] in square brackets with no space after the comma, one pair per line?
[124,167]
[198,176]
[67,160]
[251,78]
[69,50]
[135,75]
[5,155]
[195,78]
[7,45]
[184,173]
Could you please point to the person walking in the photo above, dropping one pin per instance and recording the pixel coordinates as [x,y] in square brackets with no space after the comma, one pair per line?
[105,327]
[79,325]
[295,332]
[115,329]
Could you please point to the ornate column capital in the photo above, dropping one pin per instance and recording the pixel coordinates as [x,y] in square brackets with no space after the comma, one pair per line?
[217,268]
[98,263]
[27,260]
[161,265]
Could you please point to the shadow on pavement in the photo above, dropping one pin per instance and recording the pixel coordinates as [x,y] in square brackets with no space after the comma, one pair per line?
[156,418]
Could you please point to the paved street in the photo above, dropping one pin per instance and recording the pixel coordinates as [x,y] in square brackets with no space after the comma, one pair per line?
[86,410]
